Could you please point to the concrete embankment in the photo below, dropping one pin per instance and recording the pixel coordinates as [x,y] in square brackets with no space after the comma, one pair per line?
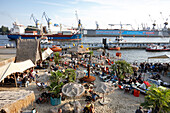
[7,55]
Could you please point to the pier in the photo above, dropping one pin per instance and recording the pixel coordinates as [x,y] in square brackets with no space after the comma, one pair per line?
[122,45]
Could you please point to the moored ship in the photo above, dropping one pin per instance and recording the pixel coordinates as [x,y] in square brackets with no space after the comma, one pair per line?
[157,48]
[18,31]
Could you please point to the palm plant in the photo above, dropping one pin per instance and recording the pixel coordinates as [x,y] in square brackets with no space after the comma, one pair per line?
[56,84]
[70,74]
[158,99]
[121,68]
[56,57]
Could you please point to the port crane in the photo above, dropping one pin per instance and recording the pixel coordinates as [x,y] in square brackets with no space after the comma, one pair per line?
[35,20]
[97,25]
[79,21]
[121,25]
[153,21]
[47,19]
[166,21]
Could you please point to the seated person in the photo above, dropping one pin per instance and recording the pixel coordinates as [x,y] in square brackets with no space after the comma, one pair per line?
[12,80]
[25,81]
[88,108]
[19,81]
[95,96]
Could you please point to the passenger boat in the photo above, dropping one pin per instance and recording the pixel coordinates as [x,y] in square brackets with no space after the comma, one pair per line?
[44,40]
[114,48]
[157,48]
[55,49]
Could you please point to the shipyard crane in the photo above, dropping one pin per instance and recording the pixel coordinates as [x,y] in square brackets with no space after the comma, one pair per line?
[121,25]
[166,21]
[78,20]
[97,25]
[35,20]
[47,19]
[153,21]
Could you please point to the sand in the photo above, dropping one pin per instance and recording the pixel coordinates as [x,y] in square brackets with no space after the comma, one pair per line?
[119,102]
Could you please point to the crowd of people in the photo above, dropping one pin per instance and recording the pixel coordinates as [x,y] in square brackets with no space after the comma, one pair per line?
[22,79]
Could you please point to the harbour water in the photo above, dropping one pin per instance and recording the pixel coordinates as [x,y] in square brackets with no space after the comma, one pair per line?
[130,55]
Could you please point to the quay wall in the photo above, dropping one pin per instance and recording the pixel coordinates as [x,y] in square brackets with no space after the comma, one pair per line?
[4,62]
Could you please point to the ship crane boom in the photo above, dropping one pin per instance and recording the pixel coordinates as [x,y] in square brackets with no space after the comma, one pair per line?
[47,19]
[35,20]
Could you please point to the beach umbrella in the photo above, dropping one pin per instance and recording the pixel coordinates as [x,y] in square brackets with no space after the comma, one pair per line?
[73,89]
[103,87]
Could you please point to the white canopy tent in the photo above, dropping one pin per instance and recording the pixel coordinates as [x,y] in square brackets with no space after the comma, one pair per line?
[14,67]
[46,53]
[159,57]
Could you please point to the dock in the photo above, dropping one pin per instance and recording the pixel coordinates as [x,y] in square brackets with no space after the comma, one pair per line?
[122,45]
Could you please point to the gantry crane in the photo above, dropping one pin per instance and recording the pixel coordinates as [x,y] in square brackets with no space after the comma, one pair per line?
[153,21]
[166,21]
[121,25]
[47,19]
[79,21]
[35,20]
[97,25]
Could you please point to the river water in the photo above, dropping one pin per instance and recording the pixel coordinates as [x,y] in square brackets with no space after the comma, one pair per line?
[130,55]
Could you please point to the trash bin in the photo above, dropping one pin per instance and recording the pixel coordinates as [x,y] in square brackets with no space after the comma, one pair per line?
[136,93]
[55,101]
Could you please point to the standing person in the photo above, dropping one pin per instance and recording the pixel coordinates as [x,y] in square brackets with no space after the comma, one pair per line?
[60,110]
[140,110]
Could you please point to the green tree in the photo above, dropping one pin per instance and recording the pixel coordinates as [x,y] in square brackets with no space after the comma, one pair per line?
[70,74]
[121,68]
[56,57]
[4,30]
[158,99]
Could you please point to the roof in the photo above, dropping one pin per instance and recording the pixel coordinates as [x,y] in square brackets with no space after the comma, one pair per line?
[46,53]
[14,67]
[28,49]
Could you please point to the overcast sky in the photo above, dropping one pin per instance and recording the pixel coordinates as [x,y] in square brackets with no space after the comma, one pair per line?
[105,12]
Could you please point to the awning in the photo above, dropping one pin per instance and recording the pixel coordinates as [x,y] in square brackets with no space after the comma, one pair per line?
[46,53]
[159,57]
[14,67]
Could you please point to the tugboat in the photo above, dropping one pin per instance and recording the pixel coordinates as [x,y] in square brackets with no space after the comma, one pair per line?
[157,48]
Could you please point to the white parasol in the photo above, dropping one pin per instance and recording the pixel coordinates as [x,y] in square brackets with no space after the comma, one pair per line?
[103,87]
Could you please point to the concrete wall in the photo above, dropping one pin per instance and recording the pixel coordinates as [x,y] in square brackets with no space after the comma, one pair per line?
[4,62]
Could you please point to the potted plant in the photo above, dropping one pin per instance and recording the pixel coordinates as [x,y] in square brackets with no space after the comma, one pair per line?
[70,74]
[57,57]
[55,87]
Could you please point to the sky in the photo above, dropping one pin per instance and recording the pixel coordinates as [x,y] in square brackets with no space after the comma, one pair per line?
[134,12]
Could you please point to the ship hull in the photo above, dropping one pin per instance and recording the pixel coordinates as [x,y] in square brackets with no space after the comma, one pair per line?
[50,37]
[124,33]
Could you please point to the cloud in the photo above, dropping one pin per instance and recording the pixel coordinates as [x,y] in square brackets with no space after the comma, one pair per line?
[52,3]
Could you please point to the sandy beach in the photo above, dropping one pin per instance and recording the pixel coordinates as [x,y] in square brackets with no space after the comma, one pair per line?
[119,102]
